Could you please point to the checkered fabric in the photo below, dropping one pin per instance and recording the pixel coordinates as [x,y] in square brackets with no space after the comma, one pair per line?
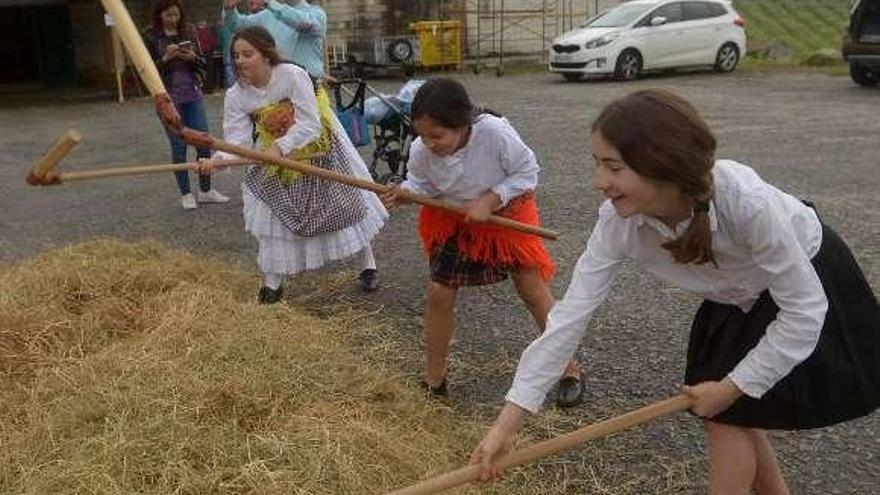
[310,206]
[451,268]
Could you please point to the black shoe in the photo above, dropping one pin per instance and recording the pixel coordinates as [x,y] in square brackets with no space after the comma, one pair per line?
[269,296]
[369,280]
[438,391]
[571,391]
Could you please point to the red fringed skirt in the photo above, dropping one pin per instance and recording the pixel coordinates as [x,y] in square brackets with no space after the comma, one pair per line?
[467,254]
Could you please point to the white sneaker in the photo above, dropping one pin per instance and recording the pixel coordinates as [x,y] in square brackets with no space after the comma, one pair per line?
[188,202]
[212,196]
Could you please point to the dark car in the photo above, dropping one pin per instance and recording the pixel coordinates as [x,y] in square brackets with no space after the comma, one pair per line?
[861,42]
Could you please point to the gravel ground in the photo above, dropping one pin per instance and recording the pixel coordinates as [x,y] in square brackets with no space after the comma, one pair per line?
[812,135]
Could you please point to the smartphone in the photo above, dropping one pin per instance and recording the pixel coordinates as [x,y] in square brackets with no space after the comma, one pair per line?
[185,45]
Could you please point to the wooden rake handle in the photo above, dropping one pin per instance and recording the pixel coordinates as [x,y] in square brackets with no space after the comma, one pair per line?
[205,140]
[143,62]
[534,452]
[101,173]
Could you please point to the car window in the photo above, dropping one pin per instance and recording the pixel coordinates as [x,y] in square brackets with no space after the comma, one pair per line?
[717,9]
[695,10]
[591,20]
[671,11]
[618,16]
[701,10]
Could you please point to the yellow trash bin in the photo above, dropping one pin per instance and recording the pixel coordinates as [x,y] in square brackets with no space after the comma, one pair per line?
[440,42]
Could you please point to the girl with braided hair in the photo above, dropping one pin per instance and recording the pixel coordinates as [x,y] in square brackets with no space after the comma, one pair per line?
[788,334]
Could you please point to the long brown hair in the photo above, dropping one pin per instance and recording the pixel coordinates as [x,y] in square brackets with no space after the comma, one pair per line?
[260,38]
[162,6]
[662,137]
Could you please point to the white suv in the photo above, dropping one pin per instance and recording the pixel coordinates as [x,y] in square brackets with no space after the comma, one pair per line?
[652,34]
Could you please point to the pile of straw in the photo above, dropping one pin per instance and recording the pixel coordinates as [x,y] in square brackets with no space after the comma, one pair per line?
[133,368]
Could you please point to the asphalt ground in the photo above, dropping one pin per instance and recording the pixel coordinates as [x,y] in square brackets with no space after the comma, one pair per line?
[813,135]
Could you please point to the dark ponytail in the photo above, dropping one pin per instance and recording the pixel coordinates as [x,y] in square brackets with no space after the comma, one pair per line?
[695,244]
[662,137]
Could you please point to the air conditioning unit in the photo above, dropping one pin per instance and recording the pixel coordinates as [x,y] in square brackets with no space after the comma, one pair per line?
[399,50]
[386,50]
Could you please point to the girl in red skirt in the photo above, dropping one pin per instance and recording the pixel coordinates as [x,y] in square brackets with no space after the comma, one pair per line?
[477,159]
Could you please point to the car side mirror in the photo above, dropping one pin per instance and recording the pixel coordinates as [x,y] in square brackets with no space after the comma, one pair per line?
[658,21]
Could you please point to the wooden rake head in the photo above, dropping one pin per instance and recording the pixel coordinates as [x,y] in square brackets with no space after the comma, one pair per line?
[43,173]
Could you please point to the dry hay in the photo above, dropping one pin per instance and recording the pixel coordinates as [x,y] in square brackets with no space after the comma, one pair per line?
[132,368]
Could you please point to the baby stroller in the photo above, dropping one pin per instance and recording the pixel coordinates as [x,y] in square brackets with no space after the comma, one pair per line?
[389,116]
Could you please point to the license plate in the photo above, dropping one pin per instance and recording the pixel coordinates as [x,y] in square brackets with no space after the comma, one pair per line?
[564,57]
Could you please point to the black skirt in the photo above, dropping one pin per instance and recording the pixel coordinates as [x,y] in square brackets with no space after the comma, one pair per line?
[838,382]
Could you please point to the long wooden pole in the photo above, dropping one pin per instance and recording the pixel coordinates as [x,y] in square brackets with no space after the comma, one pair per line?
[102,173]
[534,452]
[142,61]
[135,47]
[118,61]
[363,184]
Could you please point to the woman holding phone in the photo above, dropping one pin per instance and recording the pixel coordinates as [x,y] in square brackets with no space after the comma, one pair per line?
[175,50]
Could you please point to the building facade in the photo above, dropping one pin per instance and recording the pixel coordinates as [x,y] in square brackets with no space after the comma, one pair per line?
[66,42]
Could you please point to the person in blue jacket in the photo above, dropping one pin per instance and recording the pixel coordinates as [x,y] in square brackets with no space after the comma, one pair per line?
[298,29]
[310,23]
[260,15]
[224,39]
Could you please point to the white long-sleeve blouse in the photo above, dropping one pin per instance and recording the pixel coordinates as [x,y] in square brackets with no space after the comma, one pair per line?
[494,158]
[286,82]
[762,238]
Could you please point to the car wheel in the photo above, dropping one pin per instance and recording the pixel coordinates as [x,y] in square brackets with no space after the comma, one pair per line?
[629,65]
[727,58]
[572,76]
[862,75]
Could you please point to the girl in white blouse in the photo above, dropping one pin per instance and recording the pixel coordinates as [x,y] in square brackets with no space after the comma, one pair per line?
[476,159]
[301,222]
[788,336]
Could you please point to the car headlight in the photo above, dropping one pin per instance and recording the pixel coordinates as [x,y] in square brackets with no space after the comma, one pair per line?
[601,41]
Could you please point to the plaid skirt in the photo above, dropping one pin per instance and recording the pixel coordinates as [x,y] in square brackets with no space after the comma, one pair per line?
[472,254]
[838,382]
[450,267]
